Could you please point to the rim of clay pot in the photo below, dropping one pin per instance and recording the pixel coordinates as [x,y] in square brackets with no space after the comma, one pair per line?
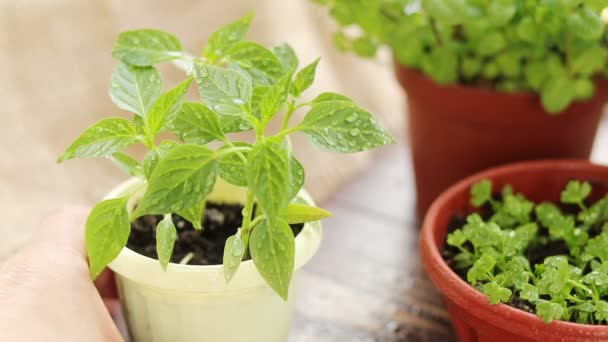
[482,89]
[205,278]
[465,295]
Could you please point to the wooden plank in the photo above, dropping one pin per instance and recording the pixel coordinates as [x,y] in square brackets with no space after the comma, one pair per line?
[367,283]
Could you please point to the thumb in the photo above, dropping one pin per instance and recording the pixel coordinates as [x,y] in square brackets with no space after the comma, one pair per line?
[64,230]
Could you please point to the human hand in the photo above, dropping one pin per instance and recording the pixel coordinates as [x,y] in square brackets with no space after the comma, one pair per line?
[46,293]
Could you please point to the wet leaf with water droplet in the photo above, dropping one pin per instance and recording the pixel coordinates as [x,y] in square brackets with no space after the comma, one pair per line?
[234,251]
[135,89]
[220,87]
[102,139]
[232,167]
[225,37]
[183,178]
[273,253]
[146,47]
[196,124]
[166,234]
[342,126]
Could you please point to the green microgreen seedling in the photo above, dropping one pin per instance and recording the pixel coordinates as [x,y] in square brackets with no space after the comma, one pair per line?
[554,48]
[496,254]
[243,86]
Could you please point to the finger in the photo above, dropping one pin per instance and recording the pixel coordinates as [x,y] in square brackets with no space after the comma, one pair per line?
[64,229]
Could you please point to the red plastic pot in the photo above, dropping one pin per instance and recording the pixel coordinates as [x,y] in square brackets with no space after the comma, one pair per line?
[474,318]
[456,131]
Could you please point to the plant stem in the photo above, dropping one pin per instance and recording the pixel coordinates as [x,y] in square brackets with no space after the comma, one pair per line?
[186,259]
[287,131]
[233,149]
[247,213]
[291,108]
[580,286]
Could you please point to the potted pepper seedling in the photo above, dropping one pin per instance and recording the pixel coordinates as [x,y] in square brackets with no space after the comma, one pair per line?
[520,252]
[208,235]
[496,80]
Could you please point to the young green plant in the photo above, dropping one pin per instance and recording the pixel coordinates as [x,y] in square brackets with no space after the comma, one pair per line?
[571,284]
[555,48]
[243,86]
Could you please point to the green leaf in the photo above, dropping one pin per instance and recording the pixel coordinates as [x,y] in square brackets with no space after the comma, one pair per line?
[107,232]
[441,64]
[583,88]
[272,248]
[324,97]
[166,107]
[135,88]
[549,311]
[496,293]
[601,310]
[146,47]
[481,192]
[232,167]
[257,61]
[166,234]
[456,238]
[256,100]
[450,12]
[576,192]
[596,278]
[225,91]
[182,179]
[287,56]
[128,164]
[342,126]
[529,292]
[275,97]
[225,37]
[557,93]
[501,11]
[296,176]
[491,43]
[196,124]
[548,213]
[234,251]
[153,156]
[596,247]
[481,270]
[268,174]
[364,46]
[302,213]
[587,59]
[304,78]
[104,138]
[232,124]
[195,214]
[586,24]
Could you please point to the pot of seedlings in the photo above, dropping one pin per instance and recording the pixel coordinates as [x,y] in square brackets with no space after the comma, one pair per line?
[520,252]
[206,240]
[496,80]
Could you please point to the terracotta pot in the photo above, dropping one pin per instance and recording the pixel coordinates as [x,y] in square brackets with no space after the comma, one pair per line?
[474,318]
[456,131]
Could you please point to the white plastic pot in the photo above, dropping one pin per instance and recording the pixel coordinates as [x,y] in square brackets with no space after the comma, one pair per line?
[194,303]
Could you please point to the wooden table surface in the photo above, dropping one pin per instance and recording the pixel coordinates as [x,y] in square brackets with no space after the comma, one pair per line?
[367,283]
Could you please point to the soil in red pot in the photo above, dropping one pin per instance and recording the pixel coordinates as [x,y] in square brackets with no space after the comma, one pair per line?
[221,221]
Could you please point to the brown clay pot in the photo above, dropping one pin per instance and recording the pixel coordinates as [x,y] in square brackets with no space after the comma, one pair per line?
[474,318]
[456,131]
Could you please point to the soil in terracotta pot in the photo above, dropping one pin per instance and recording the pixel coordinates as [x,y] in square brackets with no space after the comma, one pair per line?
[536,254]
[207,246]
